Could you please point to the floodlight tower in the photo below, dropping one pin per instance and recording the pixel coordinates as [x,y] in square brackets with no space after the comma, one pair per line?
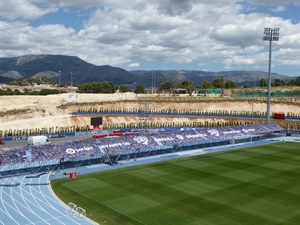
[270,34]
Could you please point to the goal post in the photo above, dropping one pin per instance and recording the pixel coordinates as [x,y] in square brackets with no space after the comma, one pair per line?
[81,213]
[71,208]
[75,211]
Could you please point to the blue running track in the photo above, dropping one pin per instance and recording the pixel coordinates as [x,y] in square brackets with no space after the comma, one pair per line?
[25,201]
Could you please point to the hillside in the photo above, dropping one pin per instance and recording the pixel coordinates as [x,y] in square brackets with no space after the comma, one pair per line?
[72,68]
[53,66]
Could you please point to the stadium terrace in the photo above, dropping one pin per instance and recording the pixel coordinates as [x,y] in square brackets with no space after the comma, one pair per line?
[111,149]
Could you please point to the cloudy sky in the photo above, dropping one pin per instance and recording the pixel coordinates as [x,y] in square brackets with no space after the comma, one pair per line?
[210,35]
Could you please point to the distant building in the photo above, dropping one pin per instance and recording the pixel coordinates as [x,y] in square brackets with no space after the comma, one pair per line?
[179,91]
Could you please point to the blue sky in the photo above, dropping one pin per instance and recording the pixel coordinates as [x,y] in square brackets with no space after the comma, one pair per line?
[215,35]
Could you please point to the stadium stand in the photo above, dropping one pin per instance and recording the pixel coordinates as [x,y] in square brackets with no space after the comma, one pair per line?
[27,159]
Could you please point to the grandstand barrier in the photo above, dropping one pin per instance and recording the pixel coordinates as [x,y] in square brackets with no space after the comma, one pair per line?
[75,211]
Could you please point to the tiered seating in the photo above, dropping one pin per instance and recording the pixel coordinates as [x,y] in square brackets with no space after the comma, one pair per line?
[127,144]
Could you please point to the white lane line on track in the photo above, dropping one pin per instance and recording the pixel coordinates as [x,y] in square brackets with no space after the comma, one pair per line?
[4,204]
[12,190]
[39,196]
[10,212]
[24,203]
[63,214]
[56,200]
[34,202]
[15,202]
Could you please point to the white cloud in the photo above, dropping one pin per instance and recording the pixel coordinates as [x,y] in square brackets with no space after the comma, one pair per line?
[173,31]
[238,61]
[23,9]
[279,8]
[133,65]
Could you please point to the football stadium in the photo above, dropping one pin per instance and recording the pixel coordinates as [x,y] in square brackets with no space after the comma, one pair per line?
[243,174]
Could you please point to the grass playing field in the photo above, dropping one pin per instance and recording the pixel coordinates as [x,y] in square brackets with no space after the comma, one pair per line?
[255,186]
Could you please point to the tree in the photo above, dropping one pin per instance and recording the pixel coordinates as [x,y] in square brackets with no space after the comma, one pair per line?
[262,82]
[9,91]
[278,82]
[97,87]
[85,88]
[205,86]
[17,92]
[190,88]
[222,80]
[175,79]
[160,81]
[230,84]
[48,92]
[166,86]
[297,81]
[188,85]
[184,84]
[139,89]
[124,88]
[216,83]
[108,87]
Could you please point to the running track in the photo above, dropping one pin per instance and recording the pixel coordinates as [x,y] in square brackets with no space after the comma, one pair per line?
[29,203]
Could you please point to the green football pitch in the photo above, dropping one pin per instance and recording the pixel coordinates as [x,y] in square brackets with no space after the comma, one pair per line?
[254,186]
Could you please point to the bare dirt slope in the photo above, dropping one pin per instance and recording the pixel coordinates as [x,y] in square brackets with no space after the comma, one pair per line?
[23,112]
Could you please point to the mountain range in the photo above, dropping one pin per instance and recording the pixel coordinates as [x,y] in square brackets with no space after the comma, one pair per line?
[71,69]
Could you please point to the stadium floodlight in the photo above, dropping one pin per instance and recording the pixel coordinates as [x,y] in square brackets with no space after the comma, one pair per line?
[270,34]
